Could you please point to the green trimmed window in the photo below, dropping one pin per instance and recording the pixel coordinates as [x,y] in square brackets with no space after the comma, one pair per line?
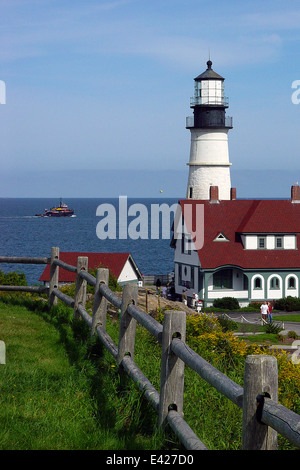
[274,283]
[257,283]
[292,282]
[223,279]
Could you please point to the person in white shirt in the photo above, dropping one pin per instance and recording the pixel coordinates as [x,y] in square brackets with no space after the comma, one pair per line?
[264,308]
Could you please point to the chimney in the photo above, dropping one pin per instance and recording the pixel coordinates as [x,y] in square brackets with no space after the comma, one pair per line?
[295,193]
[214,194]
[233,194]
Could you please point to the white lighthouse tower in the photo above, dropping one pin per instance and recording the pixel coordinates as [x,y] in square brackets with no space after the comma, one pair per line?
[209,165]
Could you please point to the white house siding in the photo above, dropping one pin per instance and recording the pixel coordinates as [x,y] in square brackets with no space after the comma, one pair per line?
[266,292]
[294,292]
[219,294]
[237,290]
[250,241]
[290,242]
[257,294]
[273,294]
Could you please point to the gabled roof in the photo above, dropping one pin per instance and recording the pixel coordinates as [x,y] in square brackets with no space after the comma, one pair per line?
[209,74]
[221,237]
[115,262]
[235,217]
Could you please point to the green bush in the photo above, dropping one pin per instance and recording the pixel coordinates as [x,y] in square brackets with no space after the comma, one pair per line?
[230,303]
[112,281]
[288,304]
[292,334]
[255,305]
[227,324]
[273,328]
[13,278]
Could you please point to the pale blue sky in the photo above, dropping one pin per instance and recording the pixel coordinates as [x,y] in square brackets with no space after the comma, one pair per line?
[103,85]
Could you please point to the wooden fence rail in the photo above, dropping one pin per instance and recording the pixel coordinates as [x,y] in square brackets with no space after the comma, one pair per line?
[263,417]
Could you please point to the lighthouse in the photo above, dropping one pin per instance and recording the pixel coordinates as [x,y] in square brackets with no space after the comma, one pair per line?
[209,166]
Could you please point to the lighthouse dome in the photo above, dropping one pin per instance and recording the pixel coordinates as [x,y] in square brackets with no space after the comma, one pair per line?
[209,74]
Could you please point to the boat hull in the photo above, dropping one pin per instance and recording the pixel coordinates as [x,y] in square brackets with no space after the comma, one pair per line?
[59,214]
[61,211]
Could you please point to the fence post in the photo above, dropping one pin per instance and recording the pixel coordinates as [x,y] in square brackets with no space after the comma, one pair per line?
[80,290]
[100,302]
[53,281]
[127,323]
[172,368]
[260,379]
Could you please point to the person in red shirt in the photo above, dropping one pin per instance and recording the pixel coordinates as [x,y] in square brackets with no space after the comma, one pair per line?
[269,312]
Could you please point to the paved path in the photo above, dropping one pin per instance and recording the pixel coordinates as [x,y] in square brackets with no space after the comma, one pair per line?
[253,317]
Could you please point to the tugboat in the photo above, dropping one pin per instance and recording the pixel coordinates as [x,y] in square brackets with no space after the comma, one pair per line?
[61,211]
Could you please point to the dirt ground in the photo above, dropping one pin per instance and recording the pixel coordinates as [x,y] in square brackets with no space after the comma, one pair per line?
[149,302]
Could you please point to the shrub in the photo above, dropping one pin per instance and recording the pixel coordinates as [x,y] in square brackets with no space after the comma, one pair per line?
[273,328]
[13,278]
[255,305]
[227,324]
[289,304]
[280,338]
[198,324]
[292,334]
[227,352]
[230,303]
[112,282]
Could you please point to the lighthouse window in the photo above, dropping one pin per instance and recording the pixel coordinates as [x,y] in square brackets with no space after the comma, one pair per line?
[191,192]
[261,243]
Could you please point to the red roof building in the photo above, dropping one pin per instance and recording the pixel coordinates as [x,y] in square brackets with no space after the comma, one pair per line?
[249,250]
[121,265]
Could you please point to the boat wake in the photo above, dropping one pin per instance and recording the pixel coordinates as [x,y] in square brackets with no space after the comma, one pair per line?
[18,217]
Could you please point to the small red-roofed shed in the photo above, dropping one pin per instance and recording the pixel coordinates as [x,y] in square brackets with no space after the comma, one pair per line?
[121,265]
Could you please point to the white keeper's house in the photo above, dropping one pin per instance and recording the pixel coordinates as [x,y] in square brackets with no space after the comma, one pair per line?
[250,248]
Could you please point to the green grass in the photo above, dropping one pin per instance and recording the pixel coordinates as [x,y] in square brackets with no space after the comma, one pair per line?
[60,390]
[262,338]
[293,318]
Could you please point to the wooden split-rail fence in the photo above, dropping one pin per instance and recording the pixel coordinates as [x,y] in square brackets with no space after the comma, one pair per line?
[263,417]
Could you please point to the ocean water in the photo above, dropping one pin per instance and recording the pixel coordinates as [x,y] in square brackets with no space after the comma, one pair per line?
[23,234]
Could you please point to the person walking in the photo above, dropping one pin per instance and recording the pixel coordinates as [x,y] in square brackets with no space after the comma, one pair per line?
[269,314]
[264,310]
